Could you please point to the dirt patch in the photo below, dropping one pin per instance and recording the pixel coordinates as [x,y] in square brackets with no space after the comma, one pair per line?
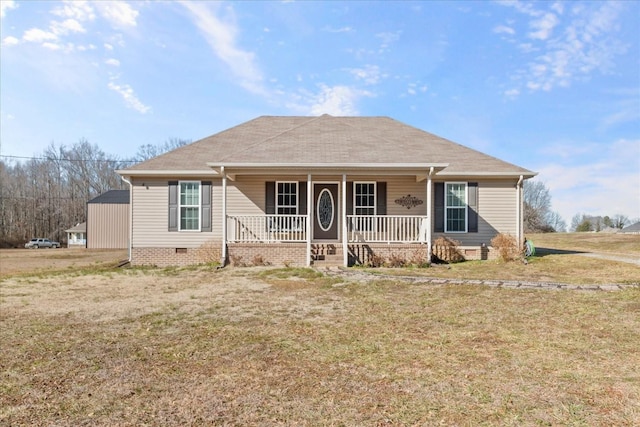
[17,261]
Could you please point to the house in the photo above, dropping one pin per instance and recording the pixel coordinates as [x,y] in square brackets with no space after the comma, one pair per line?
[107,224]
[77,236]
[312,190]
[631,229]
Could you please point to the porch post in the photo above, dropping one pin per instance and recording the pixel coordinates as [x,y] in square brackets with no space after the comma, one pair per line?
[345,248]
[224,215]
[429,214]
[309,216]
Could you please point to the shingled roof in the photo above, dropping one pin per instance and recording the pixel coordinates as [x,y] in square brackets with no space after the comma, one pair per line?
[326,142]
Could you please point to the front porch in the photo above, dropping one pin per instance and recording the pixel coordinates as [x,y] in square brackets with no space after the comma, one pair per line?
[289,239]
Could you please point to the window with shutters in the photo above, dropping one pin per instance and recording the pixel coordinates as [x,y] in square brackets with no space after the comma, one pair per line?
[287,198]
[364,198]
[364,203]
[455,207]
[189,205]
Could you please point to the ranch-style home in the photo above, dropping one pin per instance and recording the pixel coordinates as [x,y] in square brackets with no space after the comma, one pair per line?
[319,190]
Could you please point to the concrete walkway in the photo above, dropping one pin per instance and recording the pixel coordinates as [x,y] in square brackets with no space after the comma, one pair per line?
[363,276]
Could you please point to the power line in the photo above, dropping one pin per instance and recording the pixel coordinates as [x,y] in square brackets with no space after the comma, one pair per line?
[68,160]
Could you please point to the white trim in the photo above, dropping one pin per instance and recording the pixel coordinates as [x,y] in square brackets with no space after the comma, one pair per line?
[418,166]
[199,206]
[277,206]
[333,209]
[224,216]
[345,246]
[375,198]
[429,213]
[309,216]
[466,207]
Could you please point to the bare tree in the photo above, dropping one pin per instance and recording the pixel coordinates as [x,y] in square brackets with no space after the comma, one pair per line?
[537,207]
[48,194]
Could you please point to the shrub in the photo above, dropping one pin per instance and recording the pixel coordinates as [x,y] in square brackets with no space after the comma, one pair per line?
[236,261]
[375,260]
[396,261]
[446,250]
[507,247]
[420,258]
[259,261]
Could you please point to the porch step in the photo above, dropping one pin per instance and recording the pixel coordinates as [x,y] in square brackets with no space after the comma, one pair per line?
[326,255]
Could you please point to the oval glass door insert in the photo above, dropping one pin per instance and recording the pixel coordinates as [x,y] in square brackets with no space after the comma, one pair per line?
[324,210]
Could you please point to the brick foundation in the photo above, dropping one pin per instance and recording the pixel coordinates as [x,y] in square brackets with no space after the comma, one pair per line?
[294,254]
[179,257]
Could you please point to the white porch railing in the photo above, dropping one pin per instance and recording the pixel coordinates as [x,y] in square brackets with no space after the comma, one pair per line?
[387,228]
[267,228]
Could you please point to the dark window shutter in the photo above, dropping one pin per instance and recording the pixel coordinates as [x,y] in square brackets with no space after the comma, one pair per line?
[270,198]
[438,204]
[302,198]
[349,198]
[381,198]
[472,210]
[205,189]
[173,205]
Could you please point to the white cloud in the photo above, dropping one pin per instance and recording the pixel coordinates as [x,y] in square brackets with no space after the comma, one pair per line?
[130,98]
[113,62]
[75,9]
[512,93]
[570,50]
[67,26]
[503,29]
[36,35]
[596,179]
[10,41]
[222,37]
[108,46]
[118,13]
[336,100]
[338,30]
[6,5]
[543,27]
[369,74]
[387,38]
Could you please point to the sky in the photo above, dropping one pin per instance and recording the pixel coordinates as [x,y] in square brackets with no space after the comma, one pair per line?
[553,87]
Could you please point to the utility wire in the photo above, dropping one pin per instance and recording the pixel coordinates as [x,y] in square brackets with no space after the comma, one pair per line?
[68,160]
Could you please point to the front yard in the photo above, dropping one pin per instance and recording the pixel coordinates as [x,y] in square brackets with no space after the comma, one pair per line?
[265,346]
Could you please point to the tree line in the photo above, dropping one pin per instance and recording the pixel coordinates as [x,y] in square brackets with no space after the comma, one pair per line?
[48,193]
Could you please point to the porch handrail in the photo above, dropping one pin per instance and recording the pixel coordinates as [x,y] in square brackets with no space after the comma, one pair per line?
[387,228]
[267,228]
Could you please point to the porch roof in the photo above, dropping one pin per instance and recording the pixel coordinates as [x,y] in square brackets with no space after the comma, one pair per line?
[326,143]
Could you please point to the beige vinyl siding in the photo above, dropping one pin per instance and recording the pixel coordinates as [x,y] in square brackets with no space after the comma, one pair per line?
[401,186]
[151,211]
[246,195]
[497,210]
[107,225]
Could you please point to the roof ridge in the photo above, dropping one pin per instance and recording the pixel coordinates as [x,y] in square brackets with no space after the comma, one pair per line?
[250,146]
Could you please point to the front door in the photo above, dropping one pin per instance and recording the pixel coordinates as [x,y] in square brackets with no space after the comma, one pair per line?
[325,211]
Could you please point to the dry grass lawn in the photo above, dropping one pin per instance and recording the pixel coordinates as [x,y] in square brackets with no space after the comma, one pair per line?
[190,347]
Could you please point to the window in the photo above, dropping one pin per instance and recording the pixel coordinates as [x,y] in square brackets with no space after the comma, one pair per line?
[189,207]
[364,198]
[455,207]
[287,198]
[364,203]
